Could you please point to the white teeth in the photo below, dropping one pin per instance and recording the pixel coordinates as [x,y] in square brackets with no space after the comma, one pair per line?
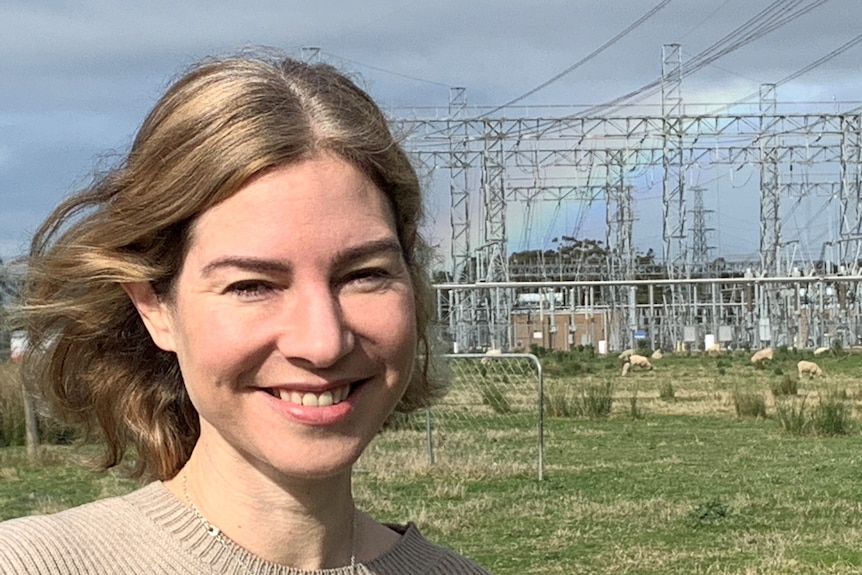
[308,399]
[325,399]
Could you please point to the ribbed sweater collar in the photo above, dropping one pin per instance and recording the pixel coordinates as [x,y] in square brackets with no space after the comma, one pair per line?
[411,555]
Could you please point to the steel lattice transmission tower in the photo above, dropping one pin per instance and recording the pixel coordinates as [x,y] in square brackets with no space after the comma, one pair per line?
[700,247]
[770,197]
[673,185]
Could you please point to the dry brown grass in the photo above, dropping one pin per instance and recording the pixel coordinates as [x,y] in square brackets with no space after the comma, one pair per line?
[619,492]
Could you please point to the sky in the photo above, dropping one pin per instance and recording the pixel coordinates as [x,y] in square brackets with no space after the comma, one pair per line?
[78,76]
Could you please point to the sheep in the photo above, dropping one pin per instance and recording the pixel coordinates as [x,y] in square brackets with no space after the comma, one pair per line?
[821,350]
[626,367]
[762,355]
[714,349]
[808,368]
[657,354]
[639,361]
[626,354]
[490,352]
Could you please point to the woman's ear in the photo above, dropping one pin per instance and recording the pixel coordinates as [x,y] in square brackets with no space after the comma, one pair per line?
[154,312]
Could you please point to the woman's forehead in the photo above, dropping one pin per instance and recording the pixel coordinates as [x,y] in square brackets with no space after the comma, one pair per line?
[323,201]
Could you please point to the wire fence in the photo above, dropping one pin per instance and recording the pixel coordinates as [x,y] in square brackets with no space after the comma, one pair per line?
[495,399]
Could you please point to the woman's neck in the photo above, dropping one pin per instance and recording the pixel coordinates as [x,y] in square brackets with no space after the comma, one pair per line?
[301,523]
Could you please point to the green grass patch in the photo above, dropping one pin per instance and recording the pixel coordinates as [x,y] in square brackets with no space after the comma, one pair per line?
[693,488]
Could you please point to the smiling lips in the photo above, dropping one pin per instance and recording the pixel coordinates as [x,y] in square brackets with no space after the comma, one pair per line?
[310,399]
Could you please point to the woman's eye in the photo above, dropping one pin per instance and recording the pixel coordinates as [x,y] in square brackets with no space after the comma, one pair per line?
[249,289]
[369,278]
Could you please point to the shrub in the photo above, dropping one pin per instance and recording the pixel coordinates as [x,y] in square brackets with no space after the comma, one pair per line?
[594,401]
[12,428]
[589,351]
[749,404]
[11,407]
[597,400]
[831,417]
[788,385]
[635,412]
[666,391]
[538,350]
[837,348]
[559,400]
[792,417]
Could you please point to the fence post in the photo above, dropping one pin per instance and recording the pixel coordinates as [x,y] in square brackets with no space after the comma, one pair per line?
[429,436]
[31,426]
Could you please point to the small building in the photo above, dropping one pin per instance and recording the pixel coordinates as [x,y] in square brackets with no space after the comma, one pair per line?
[560,329]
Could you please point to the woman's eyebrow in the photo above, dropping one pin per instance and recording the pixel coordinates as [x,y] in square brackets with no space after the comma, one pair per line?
[274,266]
[383,246]
[251,264]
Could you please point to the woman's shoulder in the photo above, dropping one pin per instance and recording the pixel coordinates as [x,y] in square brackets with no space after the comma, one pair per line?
[103,511]
[416,554]
[49,543]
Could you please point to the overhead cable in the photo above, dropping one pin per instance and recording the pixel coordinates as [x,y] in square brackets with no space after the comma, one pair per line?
[820,61]
[586,58]
[767,20]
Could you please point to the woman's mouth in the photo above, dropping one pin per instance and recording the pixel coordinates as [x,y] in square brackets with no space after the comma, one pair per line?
[332,396]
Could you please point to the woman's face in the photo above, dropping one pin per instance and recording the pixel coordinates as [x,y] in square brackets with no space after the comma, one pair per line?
[293,319]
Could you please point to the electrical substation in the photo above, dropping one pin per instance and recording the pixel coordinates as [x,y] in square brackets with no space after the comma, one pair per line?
[608,293]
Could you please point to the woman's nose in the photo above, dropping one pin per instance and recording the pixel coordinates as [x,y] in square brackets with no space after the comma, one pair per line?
[315,330]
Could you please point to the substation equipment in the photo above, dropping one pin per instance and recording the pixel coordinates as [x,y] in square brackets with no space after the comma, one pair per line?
[497,162]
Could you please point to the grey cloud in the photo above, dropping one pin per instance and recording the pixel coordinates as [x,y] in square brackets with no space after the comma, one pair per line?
[78,76]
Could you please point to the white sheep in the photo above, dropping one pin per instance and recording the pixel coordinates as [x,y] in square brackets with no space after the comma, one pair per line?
[626,367]
[762,355]
[626,354]
[714,349]
[639,361]
[821,350]
[657,354]
[491,352]
[808,368]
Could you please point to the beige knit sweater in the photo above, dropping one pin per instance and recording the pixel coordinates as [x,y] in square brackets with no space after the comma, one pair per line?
[151,532]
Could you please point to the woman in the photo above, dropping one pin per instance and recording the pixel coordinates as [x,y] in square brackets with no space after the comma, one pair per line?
[243,302]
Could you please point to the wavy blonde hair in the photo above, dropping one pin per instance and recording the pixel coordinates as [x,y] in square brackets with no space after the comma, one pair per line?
[217,127]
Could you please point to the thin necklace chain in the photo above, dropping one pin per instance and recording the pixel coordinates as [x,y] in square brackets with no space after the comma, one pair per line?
[217,534]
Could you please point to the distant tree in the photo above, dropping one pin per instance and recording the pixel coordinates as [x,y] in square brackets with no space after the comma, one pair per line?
[10,285]
[645,259]
[8,293]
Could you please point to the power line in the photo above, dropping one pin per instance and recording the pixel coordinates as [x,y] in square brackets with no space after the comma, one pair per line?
[706,19]
[385,71]
[823,59]
[774,16]
[586,58]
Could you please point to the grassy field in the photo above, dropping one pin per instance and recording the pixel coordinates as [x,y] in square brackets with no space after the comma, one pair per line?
[672,481]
